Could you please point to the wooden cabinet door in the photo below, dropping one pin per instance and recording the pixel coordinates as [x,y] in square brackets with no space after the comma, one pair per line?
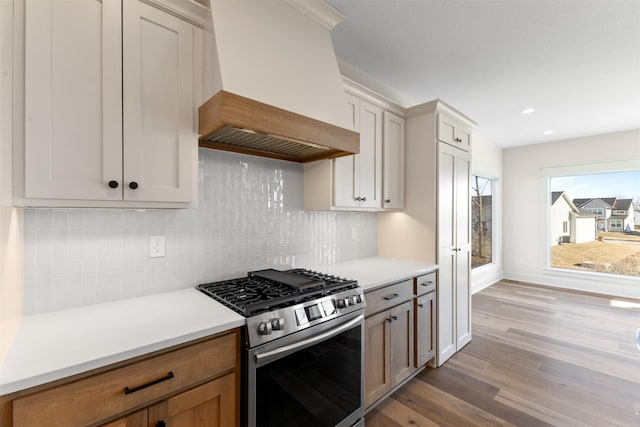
[160,141]
[368,164]
[73,104]
[377,356]
[424,322]
[401,342]
[344,168]
[393,162]
[137,419]
[212,404]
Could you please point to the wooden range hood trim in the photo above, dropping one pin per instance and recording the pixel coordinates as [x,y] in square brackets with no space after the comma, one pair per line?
[226,109]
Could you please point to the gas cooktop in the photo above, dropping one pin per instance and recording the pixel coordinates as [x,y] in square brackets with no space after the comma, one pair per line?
[267,290]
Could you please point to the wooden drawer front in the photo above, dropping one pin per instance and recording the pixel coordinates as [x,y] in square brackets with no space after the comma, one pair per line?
[96,398]
[425,284]
[388,297]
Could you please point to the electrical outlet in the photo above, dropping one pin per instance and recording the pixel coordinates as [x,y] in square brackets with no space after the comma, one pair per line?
[354,233]
[156,246]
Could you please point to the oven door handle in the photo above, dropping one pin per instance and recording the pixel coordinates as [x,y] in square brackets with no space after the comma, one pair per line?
[267,355]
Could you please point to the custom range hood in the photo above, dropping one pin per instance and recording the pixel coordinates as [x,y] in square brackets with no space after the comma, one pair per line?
[277,88]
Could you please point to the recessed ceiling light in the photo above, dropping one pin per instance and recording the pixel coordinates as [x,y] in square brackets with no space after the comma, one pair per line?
[528,110]
[548,132]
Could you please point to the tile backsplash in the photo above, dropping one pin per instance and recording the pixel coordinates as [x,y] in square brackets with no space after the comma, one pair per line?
[249,216]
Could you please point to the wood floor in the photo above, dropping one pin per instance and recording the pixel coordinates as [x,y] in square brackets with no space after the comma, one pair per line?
[538,357]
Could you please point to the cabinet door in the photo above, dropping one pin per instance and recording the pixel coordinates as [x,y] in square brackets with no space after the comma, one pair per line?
[160,142]
[454,252]
[463,253]
[424,316]
[137,419]
[212,404]
[446,129]
[377,356]
[73,104]
[368,164]
[447,249]
[393,162]
[463,137]
[401,343]
[344,168]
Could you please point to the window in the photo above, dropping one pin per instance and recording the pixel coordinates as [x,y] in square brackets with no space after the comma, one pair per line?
[481,221]
[616,224]
[580,241]
[597,211]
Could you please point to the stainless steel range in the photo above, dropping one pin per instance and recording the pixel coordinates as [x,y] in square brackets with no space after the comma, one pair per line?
[303,358]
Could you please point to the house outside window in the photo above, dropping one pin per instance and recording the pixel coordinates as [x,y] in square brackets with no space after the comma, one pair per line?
[597,211]
[591,223]
[481,221]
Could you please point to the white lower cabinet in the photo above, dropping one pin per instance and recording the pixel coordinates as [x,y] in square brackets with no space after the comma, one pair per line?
[108,104]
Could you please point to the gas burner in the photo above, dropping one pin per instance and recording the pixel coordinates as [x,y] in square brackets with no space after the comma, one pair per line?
[266,290]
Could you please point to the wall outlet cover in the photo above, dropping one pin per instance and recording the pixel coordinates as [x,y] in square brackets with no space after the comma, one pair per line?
[157,246]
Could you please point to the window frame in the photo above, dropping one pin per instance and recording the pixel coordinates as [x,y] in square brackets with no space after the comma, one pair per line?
[546,173]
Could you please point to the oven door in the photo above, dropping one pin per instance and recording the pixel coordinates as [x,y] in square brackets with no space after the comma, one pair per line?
[313,378]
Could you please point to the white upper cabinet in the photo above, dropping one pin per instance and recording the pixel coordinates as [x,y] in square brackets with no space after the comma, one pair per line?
[158,105]
[357,178]
[73,107]
[109,105]
[453,132]
[365,180]
[393,162]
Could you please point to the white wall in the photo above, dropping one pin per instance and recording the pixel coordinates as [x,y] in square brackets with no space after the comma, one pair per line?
[10,218]
[249,217]
[525,211]
[486,161]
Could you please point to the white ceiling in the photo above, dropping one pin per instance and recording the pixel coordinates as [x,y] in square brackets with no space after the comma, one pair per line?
[576,62]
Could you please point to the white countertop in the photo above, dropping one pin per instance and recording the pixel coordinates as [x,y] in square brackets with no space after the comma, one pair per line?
[374,272]
[47,347]
[51,346]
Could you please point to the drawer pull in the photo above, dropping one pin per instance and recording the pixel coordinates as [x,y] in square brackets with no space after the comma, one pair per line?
[128,390]
[390,297]
[420,305]
[427,283]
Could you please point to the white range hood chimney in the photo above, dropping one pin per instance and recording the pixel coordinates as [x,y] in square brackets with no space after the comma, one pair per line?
[276,83]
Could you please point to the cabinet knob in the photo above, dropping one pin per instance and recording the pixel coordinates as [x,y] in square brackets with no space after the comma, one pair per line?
[364,199]
[133,185]
[161,423]
[387,200]
[113,184]
[420,305]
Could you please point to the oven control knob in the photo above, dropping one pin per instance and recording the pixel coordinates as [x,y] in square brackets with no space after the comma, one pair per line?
[264,328]
[354,300]
[344,302]
[277,324]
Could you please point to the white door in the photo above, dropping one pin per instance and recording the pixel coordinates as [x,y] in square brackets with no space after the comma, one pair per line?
[369,161]
[159,137]
[73,105]
[463,245]
[446,298]
[344,168]
[393,162]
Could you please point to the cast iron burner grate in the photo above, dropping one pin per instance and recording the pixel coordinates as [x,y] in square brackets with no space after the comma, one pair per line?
[270,289]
